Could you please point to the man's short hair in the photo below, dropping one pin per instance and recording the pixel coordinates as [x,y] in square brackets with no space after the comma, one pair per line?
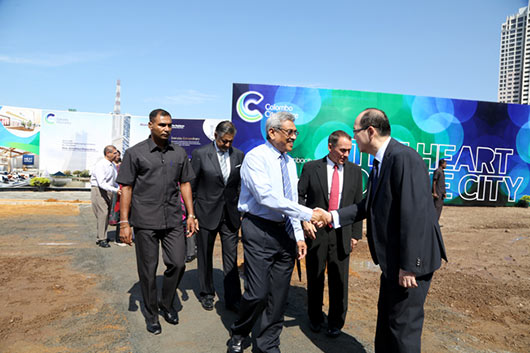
[442,161]
[225,127]
[335,136]
[109,148]
[276,120]
[377,119]
[157,112]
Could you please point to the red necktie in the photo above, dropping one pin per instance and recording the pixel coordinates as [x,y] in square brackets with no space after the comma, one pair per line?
[334,194]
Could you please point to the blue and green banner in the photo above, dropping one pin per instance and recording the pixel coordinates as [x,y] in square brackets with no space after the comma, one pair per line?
[486,144]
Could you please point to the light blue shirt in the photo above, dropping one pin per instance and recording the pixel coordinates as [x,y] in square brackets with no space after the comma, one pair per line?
[262,188]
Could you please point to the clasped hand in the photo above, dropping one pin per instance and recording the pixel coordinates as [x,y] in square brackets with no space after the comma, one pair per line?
[321,217]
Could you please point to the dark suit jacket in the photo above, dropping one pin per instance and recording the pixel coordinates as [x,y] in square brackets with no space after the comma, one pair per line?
[403,230]
[210,194]
[313,192]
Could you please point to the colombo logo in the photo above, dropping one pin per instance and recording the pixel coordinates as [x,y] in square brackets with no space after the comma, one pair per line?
[244,112]
[50,118]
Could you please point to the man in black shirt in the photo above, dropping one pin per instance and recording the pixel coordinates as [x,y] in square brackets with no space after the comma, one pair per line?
[438,187]
[150,173]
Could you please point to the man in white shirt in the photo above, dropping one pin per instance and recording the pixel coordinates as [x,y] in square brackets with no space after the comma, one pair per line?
[271,233]
[102,185]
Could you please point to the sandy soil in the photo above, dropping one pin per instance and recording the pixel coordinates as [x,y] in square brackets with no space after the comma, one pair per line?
[479,301]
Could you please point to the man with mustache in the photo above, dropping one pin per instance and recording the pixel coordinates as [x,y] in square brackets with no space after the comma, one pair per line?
[271,234]
[150,173]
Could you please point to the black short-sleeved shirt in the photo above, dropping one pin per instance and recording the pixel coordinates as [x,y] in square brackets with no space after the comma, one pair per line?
[154,174]
[439,177]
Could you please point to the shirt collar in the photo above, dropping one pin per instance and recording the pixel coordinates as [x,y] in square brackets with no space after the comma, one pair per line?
[218,150]
[332,164]
[381,151]
[153,145]
[274,149]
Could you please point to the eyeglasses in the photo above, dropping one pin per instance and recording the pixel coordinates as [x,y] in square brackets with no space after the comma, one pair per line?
[289,132]
[355,131]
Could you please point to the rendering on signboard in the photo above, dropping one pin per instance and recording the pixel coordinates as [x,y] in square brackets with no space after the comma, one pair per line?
[485,144]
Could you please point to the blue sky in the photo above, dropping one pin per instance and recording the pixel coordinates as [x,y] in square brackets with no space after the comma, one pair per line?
[184,55]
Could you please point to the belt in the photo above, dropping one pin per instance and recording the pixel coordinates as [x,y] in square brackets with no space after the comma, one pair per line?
[275,223]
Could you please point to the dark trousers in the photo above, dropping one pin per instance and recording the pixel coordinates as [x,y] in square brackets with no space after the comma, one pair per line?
[400,316]
[438,205]
[269,262]
[323,251]
[205,244]
[147,245]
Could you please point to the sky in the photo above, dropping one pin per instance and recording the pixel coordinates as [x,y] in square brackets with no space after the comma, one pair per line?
[184,56]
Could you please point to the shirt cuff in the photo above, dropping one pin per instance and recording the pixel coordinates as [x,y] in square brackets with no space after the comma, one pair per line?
[305,214]
[335,222]
[299,236]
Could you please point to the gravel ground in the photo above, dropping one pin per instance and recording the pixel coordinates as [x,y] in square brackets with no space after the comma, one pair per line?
[61,293]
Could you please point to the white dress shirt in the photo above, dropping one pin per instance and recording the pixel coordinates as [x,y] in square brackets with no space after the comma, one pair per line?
[330,169]
[262,188]
[104,175]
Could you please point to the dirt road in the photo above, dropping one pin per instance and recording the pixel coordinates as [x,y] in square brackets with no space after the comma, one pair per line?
[61,293]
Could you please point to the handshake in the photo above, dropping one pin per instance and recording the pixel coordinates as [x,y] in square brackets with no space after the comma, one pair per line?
[320,218]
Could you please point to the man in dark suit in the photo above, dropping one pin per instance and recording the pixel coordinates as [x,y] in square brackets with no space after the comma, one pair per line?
[216,193]
[330,183]
[403,232]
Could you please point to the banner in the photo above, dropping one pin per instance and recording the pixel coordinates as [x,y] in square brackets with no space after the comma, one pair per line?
[19,135]
[73,140]
[486,144]
[191,134]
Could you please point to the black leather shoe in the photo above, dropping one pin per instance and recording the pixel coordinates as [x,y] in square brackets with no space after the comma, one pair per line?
[170,316]
[235,344]
[207,303]
[154,328]
[103,244]
[333,332]
[315,327]
[190,258]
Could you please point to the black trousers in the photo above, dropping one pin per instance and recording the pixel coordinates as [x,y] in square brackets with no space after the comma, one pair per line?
[269,262]
[438,205]
[173,254]
[323,251]
[400,315]
[205,245]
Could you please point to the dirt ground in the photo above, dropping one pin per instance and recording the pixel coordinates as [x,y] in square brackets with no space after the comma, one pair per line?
[52,299]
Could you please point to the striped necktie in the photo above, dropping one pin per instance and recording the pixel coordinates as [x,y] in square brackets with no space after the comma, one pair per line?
[286,192]
[224,169]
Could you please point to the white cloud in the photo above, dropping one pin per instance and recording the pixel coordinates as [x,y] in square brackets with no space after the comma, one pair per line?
[52,60]
[187,97]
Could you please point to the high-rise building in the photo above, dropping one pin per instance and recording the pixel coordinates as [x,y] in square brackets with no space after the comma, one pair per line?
[121,124]
[514,72]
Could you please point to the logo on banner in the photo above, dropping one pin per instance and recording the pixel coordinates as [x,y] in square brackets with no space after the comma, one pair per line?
[242,106]
[28,159]
[50,118]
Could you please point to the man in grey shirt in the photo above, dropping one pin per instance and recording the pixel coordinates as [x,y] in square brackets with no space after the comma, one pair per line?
[150,174]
